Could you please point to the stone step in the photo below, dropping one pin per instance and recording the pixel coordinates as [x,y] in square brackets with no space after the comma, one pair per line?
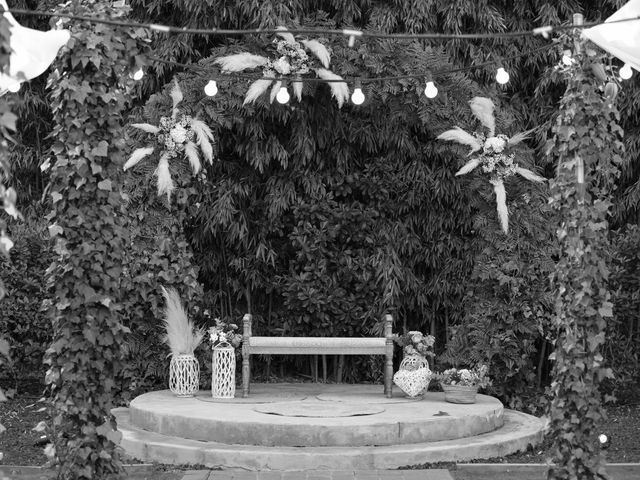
[351,415]
[519,430]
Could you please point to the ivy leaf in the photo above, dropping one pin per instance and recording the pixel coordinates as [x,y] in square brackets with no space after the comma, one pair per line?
[101,150]
[606,310]
[105,185]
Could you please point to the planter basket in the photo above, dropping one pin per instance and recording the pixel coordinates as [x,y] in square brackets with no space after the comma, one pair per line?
[459,393]
[413,376]
[184,375]
[223,377]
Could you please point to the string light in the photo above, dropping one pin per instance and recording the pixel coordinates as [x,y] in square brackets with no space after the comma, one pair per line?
[283,94]
[137,75]
[211,88]
[502,76]
[14,87]
[626,72]
[604,441]
[357,97]
[431,90]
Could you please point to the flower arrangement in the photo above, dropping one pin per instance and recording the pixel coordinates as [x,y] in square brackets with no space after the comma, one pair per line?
[493,156]
[290,59]
[476,377]
[416,343]
[177,135]
[224,334]
[181,335]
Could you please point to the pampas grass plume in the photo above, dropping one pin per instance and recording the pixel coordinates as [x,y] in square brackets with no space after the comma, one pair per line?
[136,156]
[482,108]
[165,183]
[191,151]
[319,50]
[146,127]
[182,336]
[256,89]
[468,167]
[456,134]
[240,62]
[501,204]
[288,37]
[340,90]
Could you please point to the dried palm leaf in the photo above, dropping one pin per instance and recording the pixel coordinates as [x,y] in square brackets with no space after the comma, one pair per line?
[191,151]
[136,156]
[462,137]
[529,175]
[146,127]
[240,62]
[468,167]
[165,183]
[339,90]
[288,37]
[520,137]
[319,50]
[256,89]
[501,204]
[482,108]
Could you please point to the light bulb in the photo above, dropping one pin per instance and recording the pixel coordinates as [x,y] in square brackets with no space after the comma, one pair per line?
[357,97]
[283,95]
[502,76]
[602,438]
[14,87]
[626,72]
[431,90]
[211,88]
[138,74]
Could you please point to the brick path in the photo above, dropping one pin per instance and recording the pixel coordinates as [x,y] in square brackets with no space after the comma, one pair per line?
[432,474]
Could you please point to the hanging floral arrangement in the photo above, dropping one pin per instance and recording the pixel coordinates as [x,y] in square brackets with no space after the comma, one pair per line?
[179,135]
[290,60]
[493,154]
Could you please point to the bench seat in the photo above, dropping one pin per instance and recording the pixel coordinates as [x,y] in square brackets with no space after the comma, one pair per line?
[317,346]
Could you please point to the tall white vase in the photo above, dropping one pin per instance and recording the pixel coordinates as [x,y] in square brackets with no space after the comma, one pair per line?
[223,377]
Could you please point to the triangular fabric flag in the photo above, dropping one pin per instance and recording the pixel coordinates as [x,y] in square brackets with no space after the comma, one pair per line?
[620,39]
[32,51]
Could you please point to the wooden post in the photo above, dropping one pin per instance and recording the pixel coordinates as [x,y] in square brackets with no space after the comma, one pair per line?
[246,353]
[388,366]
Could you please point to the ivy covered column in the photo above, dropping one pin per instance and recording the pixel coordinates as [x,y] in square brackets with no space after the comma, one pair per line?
[90,92]
[587,145]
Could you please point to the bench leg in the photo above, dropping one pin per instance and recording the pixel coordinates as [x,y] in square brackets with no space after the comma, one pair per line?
[388,365]
[246,353]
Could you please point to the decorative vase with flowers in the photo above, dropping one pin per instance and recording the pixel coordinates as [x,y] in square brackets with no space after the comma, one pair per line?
[461,385]
[224,339]
[183,338]
[414,374]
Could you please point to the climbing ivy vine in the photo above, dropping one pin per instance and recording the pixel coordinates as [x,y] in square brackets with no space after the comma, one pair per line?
[587,145]
[90,92]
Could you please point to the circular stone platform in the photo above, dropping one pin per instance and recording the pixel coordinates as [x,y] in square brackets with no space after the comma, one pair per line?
[402,421]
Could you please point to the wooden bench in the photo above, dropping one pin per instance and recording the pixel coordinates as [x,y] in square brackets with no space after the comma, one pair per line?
[315,346]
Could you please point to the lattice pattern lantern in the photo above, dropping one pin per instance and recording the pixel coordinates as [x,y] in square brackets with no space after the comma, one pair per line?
[184,375]
[413,376]
[223,378]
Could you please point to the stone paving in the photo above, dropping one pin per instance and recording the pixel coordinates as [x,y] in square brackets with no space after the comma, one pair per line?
[431,474]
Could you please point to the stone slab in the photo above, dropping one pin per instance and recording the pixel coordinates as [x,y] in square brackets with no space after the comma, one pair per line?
[399,422]
[517,433]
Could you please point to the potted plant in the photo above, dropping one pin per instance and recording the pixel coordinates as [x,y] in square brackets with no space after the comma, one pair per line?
[224,338]
[461,385]
[414,375]
[183,338]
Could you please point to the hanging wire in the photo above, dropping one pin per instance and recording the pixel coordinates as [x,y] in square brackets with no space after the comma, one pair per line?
[544,30]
